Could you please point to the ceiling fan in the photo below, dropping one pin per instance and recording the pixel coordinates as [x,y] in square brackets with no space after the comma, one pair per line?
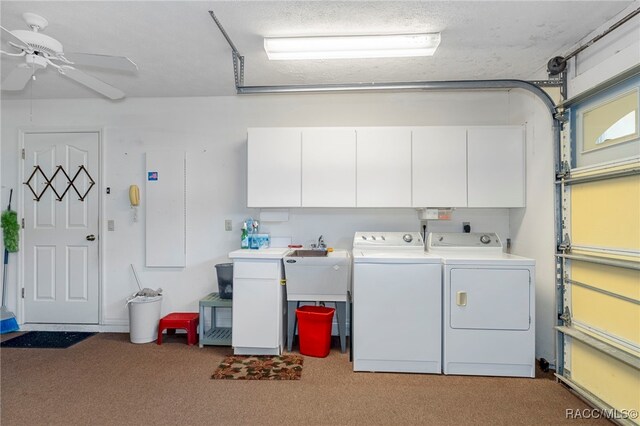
[40,51]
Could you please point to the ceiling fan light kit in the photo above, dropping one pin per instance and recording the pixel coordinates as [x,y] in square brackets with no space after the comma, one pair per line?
[351,46]
[41,50]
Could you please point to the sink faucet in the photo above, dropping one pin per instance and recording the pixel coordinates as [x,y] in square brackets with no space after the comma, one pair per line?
[321,245]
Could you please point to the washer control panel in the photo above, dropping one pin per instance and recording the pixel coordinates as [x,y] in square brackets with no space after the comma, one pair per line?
[475,240]
[389,240]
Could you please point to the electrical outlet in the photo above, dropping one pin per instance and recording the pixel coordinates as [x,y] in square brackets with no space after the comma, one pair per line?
[111,225]
[228,226]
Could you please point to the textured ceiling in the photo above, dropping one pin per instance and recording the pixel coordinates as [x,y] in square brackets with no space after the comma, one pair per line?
[180,52]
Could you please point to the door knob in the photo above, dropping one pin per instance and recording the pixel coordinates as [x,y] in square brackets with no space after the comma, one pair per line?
[91,237]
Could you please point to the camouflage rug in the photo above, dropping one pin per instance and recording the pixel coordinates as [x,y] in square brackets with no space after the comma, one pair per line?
[242,367]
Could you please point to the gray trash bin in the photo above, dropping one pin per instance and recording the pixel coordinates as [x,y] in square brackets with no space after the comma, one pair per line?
[225,280]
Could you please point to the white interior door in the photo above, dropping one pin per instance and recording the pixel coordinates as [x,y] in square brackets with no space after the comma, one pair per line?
[61,236]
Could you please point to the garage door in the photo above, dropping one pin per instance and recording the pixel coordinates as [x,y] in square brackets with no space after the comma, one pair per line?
[599,255]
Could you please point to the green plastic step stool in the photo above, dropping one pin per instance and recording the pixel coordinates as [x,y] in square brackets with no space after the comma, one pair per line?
[216,336]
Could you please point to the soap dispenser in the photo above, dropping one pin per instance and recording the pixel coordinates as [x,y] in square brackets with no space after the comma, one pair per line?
[244,239]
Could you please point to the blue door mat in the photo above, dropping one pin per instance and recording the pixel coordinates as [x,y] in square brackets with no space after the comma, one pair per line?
[46,339]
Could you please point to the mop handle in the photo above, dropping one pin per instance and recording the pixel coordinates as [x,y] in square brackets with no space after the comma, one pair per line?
[6,262]
[4,277]
[136,276]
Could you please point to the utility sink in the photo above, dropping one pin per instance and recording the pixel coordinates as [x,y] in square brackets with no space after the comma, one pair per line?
[308,253]
[318,275]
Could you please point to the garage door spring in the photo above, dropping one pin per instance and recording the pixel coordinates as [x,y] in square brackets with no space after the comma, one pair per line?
[48,182]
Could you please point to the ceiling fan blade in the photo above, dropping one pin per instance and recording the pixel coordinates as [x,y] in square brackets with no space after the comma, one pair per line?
[18,78]
[10,37]
[92,82]
[103,61]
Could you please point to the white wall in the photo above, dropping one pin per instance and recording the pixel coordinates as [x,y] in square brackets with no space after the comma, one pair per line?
[212,131]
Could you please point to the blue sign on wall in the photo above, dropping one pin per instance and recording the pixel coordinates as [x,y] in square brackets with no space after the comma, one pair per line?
[152,176]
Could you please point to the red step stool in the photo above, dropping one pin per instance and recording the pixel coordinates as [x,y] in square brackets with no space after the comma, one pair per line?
[182,320]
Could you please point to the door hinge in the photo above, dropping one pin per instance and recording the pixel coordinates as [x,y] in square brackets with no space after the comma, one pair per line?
[561,115]
[565,245]
[565,170]
[23,154]
[22,223]
[23,292]
[566,316]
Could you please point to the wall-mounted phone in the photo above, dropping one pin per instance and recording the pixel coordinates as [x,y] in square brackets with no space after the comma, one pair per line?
[134,195]
[134,199]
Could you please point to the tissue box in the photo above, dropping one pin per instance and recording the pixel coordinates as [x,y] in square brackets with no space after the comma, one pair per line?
[258,241]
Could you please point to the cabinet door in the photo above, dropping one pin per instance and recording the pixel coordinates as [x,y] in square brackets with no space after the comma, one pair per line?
[329,167]
[439,166]
[274,167]
[496,173]
[256,310]
[383,167]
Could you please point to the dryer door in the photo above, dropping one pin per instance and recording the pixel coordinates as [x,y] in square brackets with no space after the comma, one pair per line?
[489,299]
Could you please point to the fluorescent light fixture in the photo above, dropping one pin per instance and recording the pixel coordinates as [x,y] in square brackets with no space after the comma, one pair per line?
[356,46]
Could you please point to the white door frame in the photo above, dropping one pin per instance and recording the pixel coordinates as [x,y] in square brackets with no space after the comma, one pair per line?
[101,205]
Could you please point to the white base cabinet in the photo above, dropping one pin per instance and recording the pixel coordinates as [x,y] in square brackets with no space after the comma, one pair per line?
[258,307]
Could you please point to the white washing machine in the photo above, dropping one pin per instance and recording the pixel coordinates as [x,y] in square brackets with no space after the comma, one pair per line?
[488,306]
[397,304]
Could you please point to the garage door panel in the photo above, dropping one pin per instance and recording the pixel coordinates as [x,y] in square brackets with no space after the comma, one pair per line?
[605,213]
[613,316]
[614,382]
[622,281]
[599,202]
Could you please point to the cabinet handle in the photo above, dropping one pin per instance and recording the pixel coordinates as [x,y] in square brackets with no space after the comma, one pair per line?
[461,298]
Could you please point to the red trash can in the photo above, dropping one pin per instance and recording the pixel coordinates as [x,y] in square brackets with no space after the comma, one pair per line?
[314,330]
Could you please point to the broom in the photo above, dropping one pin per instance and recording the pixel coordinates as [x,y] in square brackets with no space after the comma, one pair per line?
[10,233]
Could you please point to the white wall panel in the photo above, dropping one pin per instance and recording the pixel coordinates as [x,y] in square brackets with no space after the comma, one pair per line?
[165,209]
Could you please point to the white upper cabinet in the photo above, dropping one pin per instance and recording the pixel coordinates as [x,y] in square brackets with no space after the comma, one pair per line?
[496,166]
[274,167]
[383,167]
[439,156]
[438,166]
[328,167]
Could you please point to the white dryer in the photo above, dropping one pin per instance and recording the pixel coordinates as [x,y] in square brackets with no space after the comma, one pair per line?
[397,307]
[488,306]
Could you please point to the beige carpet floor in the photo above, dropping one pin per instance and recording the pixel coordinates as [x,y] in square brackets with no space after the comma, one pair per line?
[105,380]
